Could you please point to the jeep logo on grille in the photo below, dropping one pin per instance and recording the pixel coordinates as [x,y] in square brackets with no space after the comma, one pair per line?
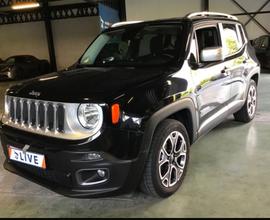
[36,94]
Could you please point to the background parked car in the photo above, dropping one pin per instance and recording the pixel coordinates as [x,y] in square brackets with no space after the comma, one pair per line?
[262,47]
[23,66]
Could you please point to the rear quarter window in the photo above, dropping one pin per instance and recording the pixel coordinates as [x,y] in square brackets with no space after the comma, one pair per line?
[241,34]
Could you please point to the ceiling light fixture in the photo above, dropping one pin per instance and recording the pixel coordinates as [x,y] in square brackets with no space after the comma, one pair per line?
[25,5]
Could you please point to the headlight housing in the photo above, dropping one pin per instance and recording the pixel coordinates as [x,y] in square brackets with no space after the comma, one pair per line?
[90,117]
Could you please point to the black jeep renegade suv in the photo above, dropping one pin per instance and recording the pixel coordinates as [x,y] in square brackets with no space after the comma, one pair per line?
[127,112]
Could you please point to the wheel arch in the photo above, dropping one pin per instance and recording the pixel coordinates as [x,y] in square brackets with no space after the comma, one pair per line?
[255,77]
[254,74]
[183,110]
[170,111]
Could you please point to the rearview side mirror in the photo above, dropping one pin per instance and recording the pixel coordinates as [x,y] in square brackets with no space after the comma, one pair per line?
[212,54]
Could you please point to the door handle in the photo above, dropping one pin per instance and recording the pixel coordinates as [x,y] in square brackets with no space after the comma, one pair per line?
[226,72]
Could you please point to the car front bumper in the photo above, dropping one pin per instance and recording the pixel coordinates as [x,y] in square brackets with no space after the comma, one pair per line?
[74,173]
[4,74]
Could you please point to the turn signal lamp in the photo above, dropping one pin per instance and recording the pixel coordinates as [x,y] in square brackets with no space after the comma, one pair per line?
[115,109]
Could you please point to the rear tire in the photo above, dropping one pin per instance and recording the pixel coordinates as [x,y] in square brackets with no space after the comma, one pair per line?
[248,111]
[168,160]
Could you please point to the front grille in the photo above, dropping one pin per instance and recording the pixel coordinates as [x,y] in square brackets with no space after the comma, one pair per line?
[48,118]
[35,114]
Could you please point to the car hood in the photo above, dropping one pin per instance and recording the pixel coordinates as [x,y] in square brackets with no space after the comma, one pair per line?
[85,84]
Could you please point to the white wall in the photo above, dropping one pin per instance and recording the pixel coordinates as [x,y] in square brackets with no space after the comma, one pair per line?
[154,9]
[71,37]
[251,6]
[27,38]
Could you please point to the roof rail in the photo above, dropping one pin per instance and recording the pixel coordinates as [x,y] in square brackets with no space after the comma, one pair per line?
[207,13]
[125,23]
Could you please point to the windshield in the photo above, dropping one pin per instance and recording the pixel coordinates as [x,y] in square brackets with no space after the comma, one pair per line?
[10,60]
[143,45]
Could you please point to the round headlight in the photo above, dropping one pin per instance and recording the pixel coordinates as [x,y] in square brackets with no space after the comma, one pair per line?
[90,116]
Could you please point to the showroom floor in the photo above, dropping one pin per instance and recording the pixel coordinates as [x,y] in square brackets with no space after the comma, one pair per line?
[228,176]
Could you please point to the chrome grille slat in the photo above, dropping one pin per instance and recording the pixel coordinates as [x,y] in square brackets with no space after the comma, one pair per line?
[55,117]
[15,109]
[45,116]
[50,117]
[60,116]
[35,114]
[11,109]
[37,121]
[29,113]
[18,113]
[41,116]
[21,111]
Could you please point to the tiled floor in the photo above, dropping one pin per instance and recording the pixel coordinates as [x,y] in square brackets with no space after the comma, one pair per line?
[228,176]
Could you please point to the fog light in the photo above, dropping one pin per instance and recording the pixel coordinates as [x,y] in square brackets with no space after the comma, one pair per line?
[101,173]
[90,177]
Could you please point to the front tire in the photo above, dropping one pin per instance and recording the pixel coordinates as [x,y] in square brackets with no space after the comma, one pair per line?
[248,111]
[168,159]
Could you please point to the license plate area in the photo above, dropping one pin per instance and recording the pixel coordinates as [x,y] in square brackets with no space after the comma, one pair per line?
[29,158]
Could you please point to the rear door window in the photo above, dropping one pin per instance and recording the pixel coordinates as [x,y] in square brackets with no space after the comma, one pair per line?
[232,42]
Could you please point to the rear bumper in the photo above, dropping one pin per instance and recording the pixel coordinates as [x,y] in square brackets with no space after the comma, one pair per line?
[73,173]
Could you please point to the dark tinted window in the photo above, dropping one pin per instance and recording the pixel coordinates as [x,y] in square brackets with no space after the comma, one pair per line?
[265,43]
[10,60]
[257,42]
[138,45]
[261,42]
[26,59]
[208,37]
